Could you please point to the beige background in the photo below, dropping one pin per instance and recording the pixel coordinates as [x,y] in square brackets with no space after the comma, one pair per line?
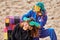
[19,7]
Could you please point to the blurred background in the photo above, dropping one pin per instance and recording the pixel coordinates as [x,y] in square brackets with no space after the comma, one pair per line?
[20,7]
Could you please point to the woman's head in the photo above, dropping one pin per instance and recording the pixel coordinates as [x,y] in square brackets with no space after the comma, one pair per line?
[25,25]
[33,30]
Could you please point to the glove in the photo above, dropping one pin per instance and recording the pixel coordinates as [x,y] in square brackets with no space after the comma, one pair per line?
[26,19]
[32,23]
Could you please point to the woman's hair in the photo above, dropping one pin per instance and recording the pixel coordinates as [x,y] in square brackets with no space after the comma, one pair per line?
[34,32]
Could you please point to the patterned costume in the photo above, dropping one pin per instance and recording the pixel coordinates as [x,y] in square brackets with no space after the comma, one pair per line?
[42,19]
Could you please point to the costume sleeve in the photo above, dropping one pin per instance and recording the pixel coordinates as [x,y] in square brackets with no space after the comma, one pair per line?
[25,17]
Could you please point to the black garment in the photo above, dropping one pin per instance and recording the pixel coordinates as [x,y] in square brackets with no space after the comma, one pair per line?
[9,34]
[20,34]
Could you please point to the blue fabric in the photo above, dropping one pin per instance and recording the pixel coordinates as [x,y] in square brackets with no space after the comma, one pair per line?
[47,32]
[32,14]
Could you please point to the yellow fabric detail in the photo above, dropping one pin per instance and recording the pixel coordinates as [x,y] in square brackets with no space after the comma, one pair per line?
[7,20]
[5,35]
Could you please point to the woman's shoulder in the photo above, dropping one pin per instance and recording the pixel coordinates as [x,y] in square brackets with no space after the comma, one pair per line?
[17,27]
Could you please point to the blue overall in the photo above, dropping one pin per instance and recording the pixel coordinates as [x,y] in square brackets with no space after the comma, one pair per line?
[42,21]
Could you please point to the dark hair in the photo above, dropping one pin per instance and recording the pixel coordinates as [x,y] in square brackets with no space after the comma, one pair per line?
[34,32]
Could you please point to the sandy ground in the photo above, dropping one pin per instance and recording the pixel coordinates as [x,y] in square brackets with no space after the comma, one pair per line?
[20,7]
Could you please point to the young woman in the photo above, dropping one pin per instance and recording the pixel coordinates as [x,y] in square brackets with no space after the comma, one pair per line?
[25,31]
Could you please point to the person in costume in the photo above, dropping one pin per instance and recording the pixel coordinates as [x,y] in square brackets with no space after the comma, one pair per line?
[38,13]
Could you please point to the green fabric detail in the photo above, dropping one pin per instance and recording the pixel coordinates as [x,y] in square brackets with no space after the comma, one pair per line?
[37,24]
[26,19]
[32,23]
[41,5]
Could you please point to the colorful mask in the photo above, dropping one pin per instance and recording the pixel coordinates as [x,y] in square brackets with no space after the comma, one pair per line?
[36,8]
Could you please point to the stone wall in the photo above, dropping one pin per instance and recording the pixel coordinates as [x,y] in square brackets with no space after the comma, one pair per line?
[20,7]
